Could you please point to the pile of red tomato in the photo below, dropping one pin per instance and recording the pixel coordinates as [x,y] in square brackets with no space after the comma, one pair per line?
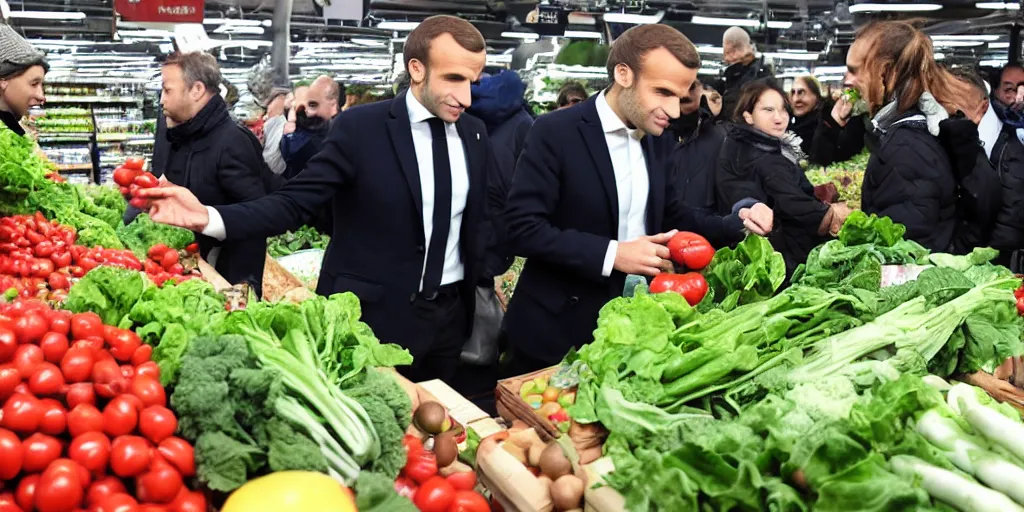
[431,492]
[691,252]
[131,177]
[39,258]
[84,422]
[1019,295]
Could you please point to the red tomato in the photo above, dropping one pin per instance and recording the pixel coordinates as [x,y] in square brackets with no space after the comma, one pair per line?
[179,454]
[119,502]
[26,493]
[176,269]
[434,495]
[170,257]
[10,377]
[189,501]
[120,417]
[157,252]
[127,371]
[124,176]
[72,468]
[77,271]
[192,248]
[11,455]
[146,180]
[107,378]
[149,391]
[692,286]
[142,354]
[157,423]
[61,259]
[420,466]
[140,203]
[8,344]
[91,450]
[30,327]
[8,503]
[40,450]
[80,393]
[44,249]
[27,358]
[47,380]
[86,324]
[54,345]
[54,420]
[469,501]
[100,489]
[22,413]
[58,491]
[464,481]
[77,364]
[405,487]
[148,369]
[84,418]
[130,456]
[43,269]
[160,484]
[134,162]
[93,344]
[123,344]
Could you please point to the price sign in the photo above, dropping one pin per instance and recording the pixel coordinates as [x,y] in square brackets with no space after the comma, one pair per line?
[160,11]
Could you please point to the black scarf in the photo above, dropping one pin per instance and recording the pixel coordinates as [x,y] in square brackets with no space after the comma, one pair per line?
[212,114]
[11,121]
[1008,116]
[688,126]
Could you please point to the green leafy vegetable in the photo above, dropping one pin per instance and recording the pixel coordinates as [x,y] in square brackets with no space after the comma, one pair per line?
[750,273]
[143,233]
[376,493]
[107,291]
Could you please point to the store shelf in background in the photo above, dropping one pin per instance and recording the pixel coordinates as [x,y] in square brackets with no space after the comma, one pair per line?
[123,137]
[74,167]
[43,139]
[93,99]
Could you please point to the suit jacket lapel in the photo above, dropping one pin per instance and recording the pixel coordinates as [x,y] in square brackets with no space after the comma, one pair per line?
[597,146]
[475,157]
[400,131]
[656,187]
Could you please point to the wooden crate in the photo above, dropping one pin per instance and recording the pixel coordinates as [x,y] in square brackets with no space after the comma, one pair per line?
[512,407]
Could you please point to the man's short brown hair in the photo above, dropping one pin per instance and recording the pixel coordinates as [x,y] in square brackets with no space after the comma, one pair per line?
[417,45]
[197,67]
[634,44]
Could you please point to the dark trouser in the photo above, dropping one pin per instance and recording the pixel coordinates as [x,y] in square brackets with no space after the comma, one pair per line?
[443,325]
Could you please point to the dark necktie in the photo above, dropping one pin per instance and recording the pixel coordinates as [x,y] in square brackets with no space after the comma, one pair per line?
[442,208]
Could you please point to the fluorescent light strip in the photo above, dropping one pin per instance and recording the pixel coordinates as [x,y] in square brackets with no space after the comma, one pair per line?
[710,50]
[999,45]
[872,7]
[998,6]
[830,78]
[956,44]
[809,56]
[635,19]
[234,29]
[229,21]
[521,35]
[780,24]
[582,34]
[399,25]
[369,42]
[725,22]
[993,63]
[965,37]
[48,15]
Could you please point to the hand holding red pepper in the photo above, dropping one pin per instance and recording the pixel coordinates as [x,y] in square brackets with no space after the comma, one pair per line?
[691,250]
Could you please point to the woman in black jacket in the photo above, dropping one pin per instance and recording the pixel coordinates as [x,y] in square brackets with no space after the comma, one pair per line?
[910,177]
[759,160]
[826,136]
[22,68]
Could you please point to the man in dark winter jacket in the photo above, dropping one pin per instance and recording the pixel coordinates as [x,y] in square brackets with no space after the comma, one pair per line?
[498,102]
[312,119]
[744,67]
[1006,153]
[212,156]
[695,157]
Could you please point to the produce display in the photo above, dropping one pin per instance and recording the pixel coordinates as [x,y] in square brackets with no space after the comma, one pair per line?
[131,177]
[846,177]
[818,397]
[85,419]
[549,398]
[305,238]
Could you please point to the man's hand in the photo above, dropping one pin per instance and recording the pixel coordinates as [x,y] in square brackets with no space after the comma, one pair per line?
[646,256]
[174,205]
[842,111]
[758,219]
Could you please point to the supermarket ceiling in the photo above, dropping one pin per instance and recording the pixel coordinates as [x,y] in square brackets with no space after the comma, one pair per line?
[801,32]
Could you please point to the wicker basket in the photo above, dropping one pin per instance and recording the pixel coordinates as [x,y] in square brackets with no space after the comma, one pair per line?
[512,407]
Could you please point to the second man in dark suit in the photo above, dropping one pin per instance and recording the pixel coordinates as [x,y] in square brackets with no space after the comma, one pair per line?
[590,201]
[408,178]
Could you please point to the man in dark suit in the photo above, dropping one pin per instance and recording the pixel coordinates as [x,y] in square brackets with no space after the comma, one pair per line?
[408,179]
[590,202]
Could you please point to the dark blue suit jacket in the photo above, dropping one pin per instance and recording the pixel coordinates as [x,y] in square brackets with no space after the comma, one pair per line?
[562,211]
[368,168]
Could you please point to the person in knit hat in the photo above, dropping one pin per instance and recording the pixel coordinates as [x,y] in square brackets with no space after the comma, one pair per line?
[22,68]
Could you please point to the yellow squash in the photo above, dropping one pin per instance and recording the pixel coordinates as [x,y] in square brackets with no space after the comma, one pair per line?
[287,491]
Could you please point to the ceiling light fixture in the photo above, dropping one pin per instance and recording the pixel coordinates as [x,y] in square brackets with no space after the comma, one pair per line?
[999,45]
[399,26]
[634,19]
[830,78]
[582,34]
[808,56]
[780,24]
[710,50]
[48,15]
[993,63]
[145,33]
[235,29]
[965,37]
[998,6]
[377,43]
[873,7]
[229,21]
[725,22]
[528,36]
[956,44]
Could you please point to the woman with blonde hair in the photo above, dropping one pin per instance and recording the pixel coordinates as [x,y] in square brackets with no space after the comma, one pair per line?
[915,172]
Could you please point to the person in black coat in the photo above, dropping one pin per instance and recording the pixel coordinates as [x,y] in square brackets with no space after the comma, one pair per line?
[220,162]
[695,157]
[743,67]
[758,160]
[409,182]
[590,203]
[910,177]
[827,132]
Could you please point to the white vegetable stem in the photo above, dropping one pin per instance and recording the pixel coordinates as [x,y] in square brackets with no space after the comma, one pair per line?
[972,455]
[995,427]
[951,488]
